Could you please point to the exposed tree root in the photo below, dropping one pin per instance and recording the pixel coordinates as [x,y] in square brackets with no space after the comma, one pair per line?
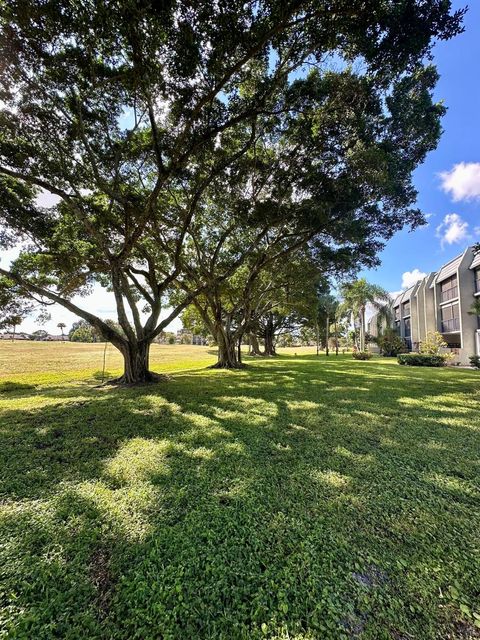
[228,365]
[125,381]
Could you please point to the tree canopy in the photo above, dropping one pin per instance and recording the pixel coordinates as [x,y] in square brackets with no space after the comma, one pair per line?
[139,116]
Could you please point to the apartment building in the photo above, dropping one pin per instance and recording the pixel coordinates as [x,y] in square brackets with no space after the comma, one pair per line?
[441,301]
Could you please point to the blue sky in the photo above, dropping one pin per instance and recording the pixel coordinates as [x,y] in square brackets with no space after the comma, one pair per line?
[448,183]
[452,202]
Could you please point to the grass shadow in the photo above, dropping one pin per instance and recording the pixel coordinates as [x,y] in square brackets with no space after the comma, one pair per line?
[10,387]
[244,504]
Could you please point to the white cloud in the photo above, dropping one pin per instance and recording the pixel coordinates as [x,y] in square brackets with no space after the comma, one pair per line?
[46,199]
[462,182]
[410,278]
[453,229]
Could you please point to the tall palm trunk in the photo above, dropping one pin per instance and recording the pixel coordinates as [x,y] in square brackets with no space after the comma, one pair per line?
[362,328]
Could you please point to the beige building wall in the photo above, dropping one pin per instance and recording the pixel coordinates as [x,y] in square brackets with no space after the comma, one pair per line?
[465,337]
[468,322]
[426,306]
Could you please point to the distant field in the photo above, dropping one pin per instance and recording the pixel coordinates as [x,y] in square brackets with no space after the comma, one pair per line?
[302,498]
[44,362]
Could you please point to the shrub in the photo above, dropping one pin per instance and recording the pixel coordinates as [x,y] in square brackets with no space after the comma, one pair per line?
[362,355]
[433,344]
[422,359]
[82,334]
[390,343]
[475,361]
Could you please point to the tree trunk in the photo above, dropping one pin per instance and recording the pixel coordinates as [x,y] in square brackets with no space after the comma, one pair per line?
[269,338]
[327,332]
[336,339]
[362,329]
[228,351]
[317,335]
[254,345]
[136,360]
[14,329]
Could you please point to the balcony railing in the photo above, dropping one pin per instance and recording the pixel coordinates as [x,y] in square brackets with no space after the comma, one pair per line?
[449,294]
[449,326]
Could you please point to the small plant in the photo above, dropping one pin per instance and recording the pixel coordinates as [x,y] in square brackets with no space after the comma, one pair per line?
[390,343]
[434,344]
[422,359]
[475,361]
[362,355]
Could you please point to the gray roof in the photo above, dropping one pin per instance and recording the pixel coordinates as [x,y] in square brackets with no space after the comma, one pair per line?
[404,296]
[475,261]
[449,269]
[397,300]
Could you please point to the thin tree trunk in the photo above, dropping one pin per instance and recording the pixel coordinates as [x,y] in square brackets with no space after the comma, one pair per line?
[317,334]
[336,338]
[362,329]
[327,332]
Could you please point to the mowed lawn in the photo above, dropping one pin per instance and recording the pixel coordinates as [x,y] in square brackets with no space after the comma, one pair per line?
[301,498]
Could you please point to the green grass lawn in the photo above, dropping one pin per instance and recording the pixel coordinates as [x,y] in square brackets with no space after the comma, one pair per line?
[302,498]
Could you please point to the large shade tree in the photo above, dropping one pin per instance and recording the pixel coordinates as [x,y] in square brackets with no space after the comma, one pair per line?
[306,184]
[117,108]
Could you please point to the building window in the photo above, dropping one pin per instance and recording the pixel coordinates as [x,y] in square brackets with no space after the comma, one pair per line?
[397,313]
[448,289]
[406,308]
[407,327]
[450,318]
[477,280]
[408,343]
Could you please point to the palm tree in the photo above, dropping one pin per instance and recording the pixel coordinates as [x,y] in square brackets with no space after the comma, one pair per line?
[327,311]
[61,326]
[356,296]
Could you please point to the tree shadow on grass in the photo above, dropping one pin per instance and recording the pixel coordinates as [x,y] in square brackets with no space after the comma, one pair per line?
[242,505]
[8,386]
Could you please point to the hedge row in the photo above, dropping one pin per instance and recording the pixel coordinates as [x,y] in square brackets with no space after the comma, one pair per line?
[421,360]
